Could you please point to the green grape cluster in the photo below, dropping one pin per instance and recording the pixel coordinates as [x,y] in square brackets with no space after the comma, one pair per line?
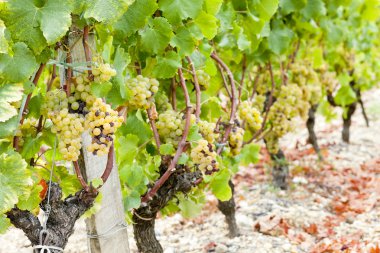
[103,73]
[203,79]
[80,99]
[102,122]
[207,130]
[162,102]
[251,115]
[204,157]
[142,90]
[329,81]
[170,126]
[259,101]
[68,126]
[235,140]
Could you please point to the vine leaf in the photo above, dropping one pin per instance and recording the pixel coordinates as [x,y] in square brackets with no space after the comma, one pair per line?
[36,25]
[166,66]
[15,180]
[9,93]
[249,154]
[18,67]
[167,149]
[184,41]
[106,10]
[208,24]
[4,223]
[156,36]
[3,40]
[177,10]
[314,9]
[136,16]
[219,185]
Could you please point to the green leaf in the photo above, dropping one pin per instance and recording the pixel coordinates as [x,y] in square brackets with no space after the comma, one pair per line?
[18,67]
[8,127]
[4,223]
[14,180]
[101,89]
[249,154]
[132,175]
[35,106]
[183,158]
[126,149]
[132,201]
[177,10]
[6,111]
[3,40]
[23,21]
[194,134]
[208,24]
[266,8]
[156,37]
[11,93]
[314,9]
[345,95]
[120,63]
[31,199]
[213,6]
[189,208]
[136,127]
[96,182]
[136,16]
[167,65]
[183,41]
[279,40]
[219,185]
[55,19]
[288,6]
[106,10]
[167,149]
[31,147]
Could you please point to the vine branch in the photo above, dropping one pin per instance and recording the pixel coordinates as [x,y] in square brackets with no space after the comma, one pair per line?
[197,89]
[181,145]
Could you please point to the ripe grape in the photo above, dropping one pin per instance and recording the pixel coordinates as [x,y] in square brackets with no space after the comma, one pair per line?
[235,140]
[251,115]
[203,79]
[204,157]
[142,90]
[207,130]
[102,122]
[170,126]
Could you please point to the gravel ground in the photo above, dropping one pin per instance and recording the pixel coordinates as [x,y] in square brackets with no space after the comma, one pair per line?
[296,215]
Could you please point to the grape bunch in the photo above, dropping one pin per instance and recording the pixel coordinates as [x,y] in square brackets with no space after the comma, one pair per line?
[81,98]
[251,115]
[26,129]
[102,122]
[103,73]
[235,140]
[162,102]
[272,142]
[203,79]
[207,130]
[170,126]
[68,126]
[142,90]
[204,157]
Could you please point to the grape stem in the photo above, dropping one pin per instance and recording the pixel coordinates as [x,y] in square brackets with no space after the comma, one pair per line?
[224,81]
[255,83]
[87,51]
[109,165]
[53,76]
[24,110]
[80,176]
[234,104]
[292,57]
[181,145]
[197,89]
[173,89]
[269,105]
[154,128]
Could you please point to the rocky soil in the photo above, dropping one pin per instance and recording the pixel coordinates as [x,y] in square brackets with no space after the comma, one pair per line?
[332,204]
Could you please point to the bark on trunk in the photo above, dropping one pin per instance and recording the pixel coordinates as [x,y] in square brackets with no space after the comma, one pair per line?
[144,217]
[63,215]
[228,209]
[347,123]
[280,170]
[310,123]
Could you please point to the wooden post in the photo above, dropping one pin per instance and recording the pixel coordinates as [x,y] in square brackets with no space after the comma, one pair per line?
[107,223]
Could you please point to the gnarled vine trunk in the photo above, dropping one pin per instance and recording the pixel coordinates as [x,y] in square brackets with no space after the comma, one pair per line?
[280,170]
[347,122]
[144,217]
[228,208]
[63,215]
[310,123]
